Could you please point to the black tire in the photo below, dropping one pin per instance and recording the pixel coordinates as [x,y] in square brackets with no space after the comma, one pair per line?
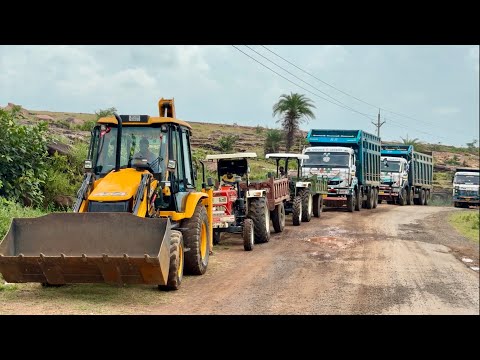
[351,202]
[402,200]
[422,197]
[196,239]
[216,237]
[358,202]
[427,197]
[248,235]
[278,217]
[409,196]
[317,205]
[297,211]
[375,198]
[259,213]
[455,204]
[175,271]
[307,205]
[370,196]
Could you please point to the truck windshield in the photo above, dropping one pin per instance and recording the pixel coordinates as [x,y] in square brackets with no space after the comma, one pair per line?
[146,142]
[390,166]
[466,179]
[327,159]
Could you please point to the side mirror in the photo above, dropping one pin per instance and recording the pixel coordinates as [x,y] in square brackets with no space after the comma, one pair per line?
[210,181]
[172,164]
[88,165]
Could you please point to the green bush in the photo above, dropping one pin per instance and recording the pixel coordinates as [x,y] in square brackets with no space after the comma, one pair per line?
[226,143]
[23,154]
[10,210]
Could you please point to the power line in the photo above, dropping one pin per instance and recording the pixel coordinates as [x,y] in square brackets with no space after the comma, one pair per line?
[321,97]
[340,104]
[331,97]
[343,92]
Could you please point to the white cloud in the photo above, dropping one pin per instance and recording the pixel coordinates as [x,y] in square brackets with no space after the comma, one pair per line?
[446,110]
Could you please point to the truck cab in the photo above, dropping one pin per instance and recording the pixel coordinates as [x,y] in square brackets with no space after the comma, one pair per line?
[466,188]
[394,174]
[334,162]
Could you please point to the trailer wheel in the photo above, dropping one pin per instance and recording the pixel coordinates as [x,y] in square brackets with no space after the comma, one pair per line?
[196,239]
[409,196]
[216,237]
[370,197]
[358,203]
[307,205]
[317,205]
[297,210]
[375,198]
[422,197]
[175,271]
[427,197]
[278,217]
[259,213]
[248,235]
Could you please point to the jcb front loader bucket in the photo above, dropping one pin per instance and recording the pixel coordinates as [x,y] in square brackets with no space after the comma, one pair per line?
[66,248]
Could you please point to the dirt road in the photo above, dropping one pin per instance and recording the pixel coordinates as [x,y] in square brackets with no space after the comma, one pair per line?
[390,260]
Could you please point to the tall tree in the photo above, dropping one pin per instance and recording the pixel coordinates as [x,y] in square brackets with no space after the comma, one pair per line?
[293,110]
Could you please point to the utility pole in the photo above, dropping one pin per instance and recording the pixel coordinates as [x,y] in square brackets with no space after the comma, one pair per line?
[378,125]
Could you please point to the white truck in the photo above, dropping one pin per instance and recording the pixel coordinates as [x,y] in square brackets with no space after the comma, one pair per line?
[466,187]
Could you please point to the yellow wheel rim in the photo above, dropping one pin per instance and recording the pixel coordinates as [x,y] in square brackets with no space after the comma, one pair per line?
[203,241]
[180,261]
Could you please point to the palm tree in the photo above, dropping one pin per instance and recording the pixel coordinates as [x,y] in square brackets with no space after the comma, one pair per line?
[417,144]
[294,109]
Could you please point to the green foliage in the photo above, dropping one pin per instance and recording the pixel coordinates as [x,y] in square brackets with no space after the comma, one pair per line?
[10,209]
[259,130]
[293,109]
[61,179]
[417,144]
[453,161]
[23,153]
[87,125]
[105,112]
[467,223]
[273,140]
[227,142]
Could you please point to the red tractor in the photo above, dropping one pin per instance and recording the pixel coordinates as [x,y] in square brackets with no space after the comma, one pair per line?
[234,205]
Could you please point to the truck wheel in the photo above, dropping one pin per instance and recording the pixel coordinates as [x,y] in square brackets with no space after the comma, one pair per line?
[216,237]
[307,205]
[370,196]
[278,217]
[422,197]
[403,197]
[375,198]
[350,202]
[409,196]
[317,205]
[455,204]
[259,213]
[297,210]
[358,203]
[427,197]
[248,235]
[175,271]
[196,239]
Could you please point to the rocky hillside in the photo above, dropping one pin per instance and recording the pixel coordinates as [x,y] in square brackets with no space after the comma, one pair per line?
[70,127]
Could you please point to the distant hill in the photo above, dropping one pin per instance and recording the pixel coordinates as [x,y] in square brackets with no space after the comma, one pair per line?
[66,126]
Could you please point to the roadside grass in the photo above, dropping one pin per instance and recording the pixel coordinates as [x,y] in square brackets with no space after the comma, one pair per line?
[10,210]
[467,223]
[85,298]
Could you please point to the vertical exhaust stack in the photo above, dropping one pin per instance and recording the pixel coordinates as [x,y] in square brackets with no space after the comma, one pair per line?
[119,142]
[166,108]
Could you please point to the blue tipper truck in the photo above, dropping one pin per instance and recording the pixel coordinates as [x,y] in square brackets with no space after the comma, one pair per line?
[351,161]
[406,175]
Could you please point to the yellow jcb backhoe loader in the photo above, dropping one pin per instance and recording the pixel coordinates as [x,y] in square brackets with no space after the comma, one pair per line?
[137,219]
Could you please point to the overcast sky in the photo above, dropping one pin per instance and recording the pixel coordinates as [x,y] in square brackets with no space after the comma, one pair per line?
[435,89]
